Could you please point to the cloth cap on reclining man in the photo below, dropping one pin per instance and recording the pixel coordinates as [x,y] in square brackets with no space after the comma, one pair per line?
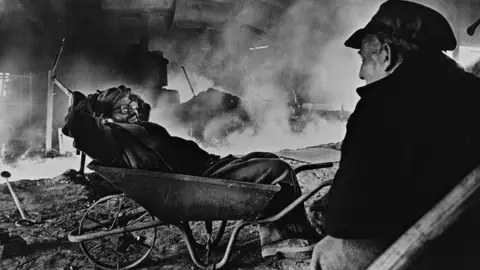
[104,101]
[412,22]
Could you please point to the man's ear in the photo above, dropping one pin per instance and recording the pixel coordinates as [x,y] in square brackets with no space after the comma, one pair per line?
[388,57]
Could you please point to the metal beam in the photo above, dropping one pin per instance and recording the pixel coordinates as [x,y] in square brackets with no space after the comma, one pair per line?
[30,89]
[49,123]
[52,80]
[64,89]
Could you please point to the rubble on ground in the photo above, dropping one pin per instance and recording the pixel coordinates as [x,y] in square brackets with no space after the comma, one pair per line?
[57,205]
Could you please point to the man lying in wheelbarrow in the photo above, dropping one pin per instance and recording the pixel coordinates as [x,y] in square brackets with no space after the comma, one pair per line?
[111,127]
[414,134]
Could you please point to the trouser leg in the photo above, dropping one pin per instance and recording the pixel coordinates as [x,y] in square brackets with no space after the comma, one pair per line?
[267,168]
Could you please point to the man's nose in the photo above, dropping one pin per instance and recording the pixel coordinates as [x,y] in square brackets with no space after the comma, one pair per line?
[133,111]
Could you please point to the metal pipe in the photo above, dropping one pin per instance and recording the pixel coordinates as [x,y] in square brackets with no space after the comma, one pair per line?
[51,81]
[30,82]
[24,220]
[15,198]
[49,123]
[62,87]
[471,29]
[57,56]
[191,88]
[314,166]
[65,90]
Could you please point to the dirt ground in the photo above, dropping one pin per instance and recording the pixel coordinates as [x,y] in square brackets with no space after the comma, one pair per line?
[59,203]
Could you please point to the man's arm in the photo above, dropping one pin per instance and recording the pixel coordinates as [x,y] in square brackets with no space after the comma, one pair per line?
[91,134]
[367,198]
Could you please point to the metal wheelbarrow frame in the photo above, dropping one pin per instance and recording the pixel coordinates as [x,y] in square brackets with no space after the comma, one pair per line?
[174,199]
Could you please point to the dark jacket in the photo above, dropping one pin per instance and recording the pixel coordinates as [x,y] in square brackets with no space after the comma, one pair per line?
[413,136]
[144,145]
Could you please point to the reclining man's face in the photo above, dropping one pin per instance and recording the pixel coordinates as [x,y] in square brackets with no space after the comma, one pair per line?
[125,111]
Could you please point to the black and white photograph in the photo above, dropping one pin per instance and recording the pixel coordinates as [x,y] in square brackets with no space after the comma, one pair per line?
[240,134]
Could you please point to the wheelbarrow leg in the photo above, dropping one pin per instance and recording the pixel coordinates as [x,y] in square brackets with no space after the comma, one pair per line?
[190,245]
[82,164]
[214,239]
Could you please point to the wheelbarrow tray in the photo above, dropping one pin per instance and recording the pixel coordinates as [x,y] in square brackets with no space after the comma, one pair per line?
[177,197]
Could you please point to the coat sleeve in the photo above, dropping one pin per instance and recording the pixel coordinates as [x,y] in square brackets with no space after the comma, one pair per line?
[365,200]
[181,155]
[91,134]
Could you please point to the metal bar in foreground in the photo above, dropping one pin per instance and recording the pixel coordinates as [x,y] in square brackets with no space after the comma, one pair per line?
[409,246]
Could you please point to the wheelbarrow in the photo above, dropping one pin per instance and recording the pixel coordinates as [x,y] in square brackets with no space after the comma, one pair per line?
[119,231]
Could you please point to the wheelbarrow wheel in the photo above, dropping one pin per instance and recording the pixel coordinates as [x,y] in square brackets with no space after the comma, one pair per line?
[119,251]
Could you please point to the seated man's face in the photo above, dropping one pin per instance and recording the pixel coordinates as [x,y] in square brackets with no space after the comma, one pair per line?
[375,60]
[125,111]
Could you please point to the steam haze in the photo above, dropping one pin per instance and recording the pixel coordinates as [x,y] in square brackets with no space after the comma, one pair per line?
[305,53]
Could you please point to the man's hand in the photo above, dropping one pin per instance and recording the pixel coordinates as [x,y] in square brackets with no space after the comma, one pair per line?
[82,103]
[92,102]
[77,97]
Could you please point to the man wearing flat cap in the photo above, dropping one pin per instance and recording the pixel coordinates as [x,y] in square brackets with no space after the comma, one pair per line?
[414,135]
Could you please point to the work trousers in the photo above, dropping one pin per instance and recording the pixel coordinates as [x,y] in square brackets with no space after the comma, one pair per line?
[268,168]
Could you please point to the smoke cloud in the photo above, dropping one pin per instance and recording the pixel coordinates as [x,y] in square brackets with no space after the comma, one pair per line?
[41,168]
[305,57]
[301,52]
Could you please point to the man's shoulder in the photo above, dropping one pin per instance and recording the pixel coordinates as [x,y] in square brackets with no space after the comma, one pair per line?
[132,126]
[152,127]
[142,129]
[149,125]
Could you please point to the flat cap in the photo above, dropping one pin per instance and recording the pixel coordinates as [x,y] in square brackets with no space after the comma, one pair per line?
[105,100]
[411,22]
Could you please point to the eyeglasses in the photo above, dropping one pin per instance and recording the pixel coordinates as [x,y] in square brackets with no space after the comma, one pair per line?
[126,108]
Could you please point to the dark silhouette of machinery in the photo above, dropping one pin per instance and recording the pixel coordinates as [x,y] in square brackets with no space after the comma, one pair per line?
[145,67]
[149,69]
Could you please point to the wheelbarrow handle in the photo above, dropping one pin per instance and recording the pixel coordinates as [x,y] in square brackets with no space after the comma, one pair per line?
[314,166]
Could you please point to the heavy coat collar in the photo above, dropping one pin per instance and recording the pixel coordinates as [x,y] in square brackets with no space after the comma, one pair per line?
[421,67]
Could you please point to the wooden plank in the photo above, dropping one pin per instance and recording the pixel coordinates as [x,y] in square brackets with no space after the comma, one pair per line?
[409,246]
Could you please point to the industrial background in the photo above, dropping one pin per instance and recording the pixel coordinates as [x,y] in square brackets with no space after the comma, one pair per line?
[145,44]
